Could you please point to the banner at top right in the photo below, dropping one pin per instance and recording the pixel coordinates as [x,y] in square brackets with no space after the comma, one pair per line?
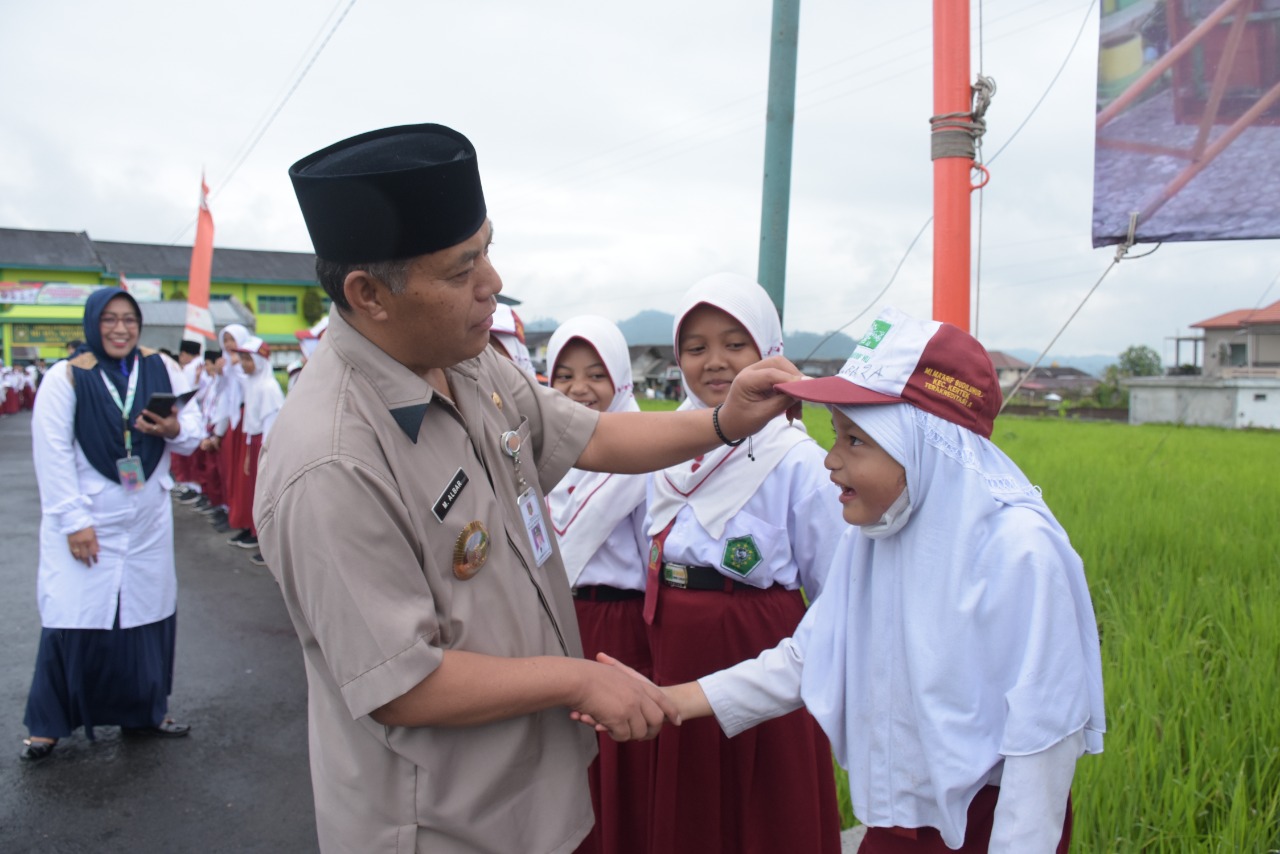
[1188,123]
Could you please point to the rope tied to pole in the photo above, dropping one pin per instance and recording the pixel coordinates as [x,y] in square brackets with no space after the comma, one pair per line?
[960,134]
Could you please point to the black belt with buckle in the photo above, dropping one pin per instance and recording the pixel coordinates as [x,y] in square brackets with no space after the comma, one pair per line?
[603,593]
[699,578]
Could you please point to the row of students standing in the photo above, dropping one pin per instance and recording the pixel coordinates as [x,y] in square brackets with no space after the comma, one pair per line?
[239,404]
[690,570]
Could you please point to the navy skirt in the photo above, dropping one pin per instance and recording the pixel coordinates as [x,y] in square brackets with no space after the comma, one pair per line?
[101,677]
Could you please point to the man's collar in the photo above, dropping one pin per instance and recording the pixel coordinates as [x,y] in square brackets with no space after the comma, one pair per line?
[405,394]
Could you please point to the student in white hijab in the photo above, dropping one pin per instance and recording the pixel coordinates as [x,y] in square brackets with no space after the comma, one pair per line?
[953,657]
[229,433]
[507,337]
[599,522]
[736,533]
[262,401]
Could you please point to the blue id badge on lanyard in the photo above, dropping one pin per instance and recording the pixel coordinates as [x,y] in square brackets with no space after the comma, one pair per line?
[131,475]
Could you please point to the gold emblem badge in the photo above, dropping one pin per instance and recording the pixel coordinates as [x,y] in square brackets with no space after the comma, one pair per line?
[497,401]
[470,551]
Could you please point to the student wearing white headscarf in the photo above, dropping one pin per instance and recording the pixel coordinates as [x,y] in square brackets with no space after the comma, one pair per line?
[599,521]
[507,337]
[953,657]
[228,434]
[262,401]
[736,533]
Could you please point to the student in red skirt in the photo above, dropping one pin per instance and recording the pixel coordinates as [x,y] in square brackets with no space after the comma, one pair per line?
[599,522]
[953,656]
[230,437]
[736,534]
[204,462]
[262,401]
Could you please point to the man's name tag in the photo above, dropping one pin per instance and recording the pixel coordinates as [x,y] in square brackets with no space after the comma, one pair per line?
[131,475]
[535,526]
[450,495]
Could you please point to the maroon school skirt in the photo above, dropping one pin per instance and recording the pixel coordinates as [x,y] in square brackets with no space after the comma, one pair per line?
[769,789]
[240,505]
[927,840]
[622,774]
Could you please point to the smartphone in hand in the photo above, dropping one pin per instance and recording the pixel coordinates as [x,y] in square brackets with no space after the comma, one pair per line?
[161,403]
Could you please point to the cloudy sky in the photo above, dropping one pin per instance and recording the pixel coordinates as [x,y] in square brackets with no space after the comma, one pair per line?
[621,147]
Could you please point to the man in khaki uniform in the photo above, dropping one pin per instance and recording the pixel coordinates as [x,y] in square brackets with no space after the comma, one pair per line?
[400,507]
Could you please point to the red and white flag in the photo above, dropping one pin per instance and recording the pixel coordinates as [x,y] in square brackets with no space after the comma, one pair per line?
[199,319]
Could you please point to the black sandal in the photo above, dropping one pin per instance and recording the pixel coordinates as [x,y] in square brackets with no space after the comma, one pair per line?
[37,750]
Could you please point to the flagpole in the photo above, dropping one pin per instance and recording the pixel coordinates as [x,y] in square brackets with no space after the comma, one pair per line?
[951,166]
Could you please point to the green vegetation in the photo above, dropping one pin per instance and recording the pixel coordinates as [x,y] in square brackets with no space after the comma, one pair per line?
[1178,530]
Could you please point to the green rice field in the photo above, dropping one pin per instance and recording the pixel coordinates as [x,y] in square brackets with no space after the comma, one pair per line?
[1179,528]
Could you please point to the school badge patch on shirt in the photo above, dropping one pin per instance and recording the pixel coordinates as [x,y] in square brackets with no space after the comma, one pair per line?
[741,555]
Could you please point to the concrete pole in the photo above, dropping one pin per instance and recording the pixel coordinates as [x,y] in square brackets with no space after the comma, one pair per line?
[779,126]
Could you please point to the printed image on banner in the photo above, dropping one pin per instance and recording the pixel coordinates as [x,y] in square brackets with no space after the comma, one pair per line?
[1188,121]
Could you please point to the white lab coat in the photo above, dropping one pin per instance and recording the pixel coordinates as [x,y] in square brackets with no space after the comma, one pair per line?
[134,530]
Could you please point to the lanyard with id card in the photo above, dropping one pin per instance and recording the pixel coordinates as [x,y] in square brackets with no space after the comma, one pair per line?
[129,468]
[535,525]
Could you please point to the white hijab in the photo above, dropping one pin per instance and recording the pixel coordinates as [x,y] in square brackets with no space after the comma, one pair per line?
[508,331]
[963,625]
[262,395]
[718,485]
[231,395]
[586,506]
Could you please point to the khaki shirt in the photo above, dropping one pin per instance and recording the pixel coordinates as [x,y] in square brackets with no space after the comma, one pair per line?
[352,481]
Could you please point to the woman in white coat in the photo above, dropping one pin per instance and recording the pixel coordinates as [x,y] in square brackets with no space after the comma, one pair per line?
[107,589]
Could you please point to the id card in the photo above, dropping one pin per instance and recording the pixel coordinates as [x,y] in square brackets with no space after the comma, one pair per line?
[130,471]
[535,526]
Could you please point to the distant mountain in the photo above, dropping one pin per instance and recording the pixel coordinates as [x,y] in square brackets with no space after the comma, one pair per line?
[648,327]
[1093,365]
[654,327]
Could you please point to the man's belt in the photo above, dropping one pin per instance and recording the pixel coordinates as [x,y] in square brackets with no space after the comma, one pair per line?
[699,578]
[603,593]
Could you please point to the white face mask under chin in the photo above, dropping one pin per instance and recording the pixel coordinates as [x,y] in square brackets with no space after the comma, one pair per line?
[892,520]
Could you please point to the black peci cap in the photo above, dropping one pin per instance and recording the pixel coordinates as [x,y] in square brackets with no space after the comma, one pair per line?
[393,193]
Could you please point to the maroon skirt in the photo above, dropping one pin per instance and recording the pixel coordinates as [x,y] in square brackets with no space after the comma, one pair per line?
[240,503]
[622,774]
[927,840]
[769,789]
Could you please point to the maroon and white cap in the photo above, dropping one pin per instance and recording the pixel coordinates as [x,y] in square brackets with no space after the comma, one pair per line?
[934,366]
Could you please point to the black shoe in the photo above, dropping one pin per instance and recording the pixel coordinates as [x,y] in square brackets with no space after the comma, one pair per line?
[165,729]
[209,509]
[257,559]
[199,504]
[245,540]
[34,750]
[218,519]
[192,497]
[185,494]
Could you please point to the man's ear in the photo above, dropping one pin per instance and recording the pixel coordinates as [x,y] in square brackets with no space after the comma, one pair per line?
[366,295]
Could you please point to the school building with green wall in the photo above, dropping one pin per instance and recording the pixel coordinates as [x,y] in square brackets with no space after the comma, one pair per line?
[274,293]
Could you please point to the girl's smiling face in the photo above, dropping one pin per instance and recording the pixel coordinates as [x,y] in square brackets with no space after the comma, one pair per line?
[581,376]
[246,362]
[869,479]
[714,347]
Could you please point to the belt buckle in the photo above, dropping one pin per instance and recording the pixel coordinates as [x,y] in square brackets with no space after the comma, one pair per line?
[676,575]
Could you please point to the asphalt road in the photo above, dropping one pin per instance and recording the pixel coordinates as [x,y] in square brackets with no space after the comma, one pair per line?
[239,783]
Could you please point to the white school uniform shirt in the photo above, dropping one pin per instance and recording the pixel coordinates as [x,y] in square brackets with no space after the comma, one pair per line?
[134,530]
[792,517]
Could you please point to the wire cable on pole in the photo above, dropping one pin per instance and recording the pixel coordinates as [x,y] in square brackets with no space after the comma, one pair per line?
[255,136]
